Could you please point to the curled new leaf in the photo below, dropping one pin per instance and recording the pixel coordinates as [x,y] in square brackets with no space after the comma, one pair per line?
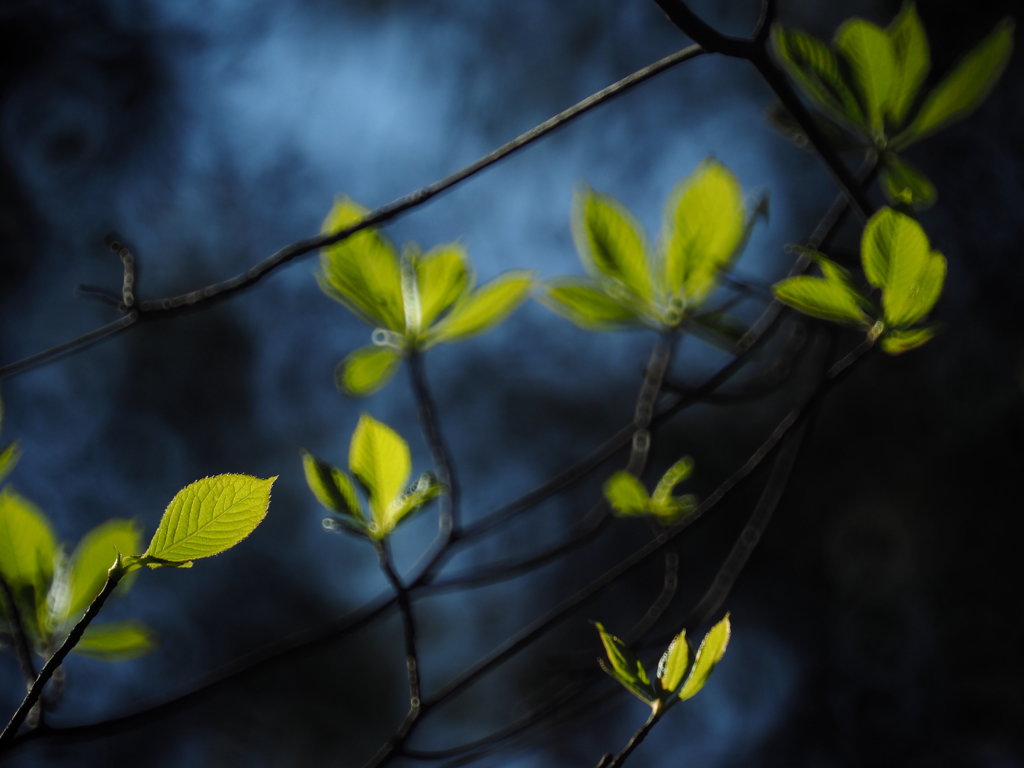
[903,184]
[626,494]
[898,341]
[624,667]
[208,517]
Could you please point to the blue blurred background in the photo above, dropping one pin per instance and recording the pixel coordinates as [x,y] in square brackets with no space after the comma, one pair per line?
[878,624]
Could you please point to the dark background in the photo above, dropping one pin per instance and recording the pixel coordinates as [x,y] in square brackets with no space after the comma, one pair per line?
[879,622]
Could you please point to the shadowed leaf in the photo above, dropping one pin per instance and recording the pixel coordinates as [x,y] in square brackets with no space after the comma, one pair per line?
[611,241]
[366,370]
[116,641]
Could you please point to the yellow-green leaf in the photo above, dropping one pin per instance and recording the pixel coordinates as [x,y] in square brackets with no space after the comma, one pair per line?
[626,494]
[331,487]
[9,456]
[704,225]
[889,236]
[898,341]
[912,58]
[442,277]
[965,87]
[92,559]
[366,370]
[905,185]
[582,301]
[868,50]
[825,299]
[624,666]
[362,271]
[611,242]
[116,641]
[673,476]
[816,69]
[674,663]
[380,459]
[28,547]
[711,650]
[484,308]
[423,490]
[209,516]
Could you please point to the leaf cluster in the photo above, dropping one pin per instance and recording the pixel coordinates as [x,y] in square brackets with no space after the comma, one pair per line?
[681,672]
[629,284]
[628,498]
[898,263]
[868,89]
[414,300]
[380,462]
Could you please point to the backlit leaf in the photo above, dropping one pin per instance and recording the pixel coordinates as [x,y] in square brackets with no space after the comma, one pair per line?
[626,494]
[611,241]
[674,663]
[366,370]
[813,65]
[116,641]
[483,308]
[362,271]
[711,650]
[898,341]
[912,58]
[889,236]
[825,299]
[9,456]
[587,305]
[424,490]
[209,516]
[868,50]
[331,487]
[624,666]
[379,458]
[965,87]
[27,545]
[704,225]
[92,559]
[442,278]
[905,185]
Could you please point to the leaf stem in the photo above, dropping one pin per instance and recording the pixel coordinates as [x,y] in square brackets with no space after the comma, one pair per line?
[114,575]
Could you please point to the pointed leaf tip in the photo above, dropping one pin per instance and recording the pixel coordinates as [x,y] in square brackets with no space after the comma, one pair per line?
[711,651]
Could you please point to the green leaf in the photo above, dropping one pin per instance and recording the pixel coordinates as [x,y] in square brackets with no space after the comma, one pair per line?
[898,259]
[92,558]
[626,494]
[9,456]
[582,301]
[838,136]
[625,667]
[423,490]
[28,547]
[673,476]
[442,278]
[484,308]
[116,641]
[711,650]
[332,487]
[610,241]
[898,341]
[362,271]
[366,370]
[965,87]
[380,459]
[905,185]
[815,68]
[912,58]
[704,225]
[209,516]
[825,299]
[674,663]
[868,50]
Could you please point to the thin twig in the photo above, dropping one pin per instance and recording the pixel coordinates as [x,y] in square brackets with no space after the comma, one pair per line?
[634,741]
[449,519]
[114,575]
[218,291]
